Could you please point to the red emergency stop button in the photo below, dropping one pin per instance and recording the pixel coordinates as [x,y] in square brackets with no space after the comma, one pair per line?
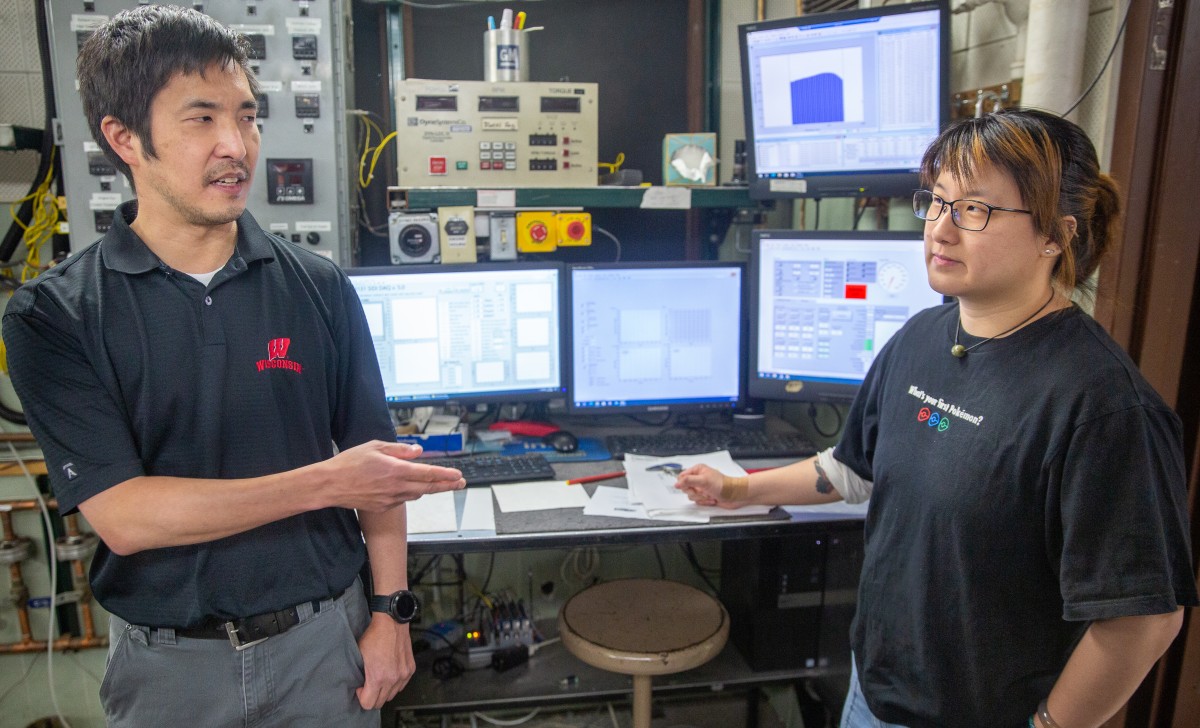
[575,230]
[538,232]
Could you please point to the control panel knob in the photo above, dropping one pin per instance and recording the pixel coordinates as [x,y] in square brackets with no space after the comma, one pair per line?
[313,238]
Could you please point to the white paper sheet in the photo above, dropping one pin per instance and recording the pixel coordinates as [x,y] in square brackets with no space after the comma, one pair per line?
[541,495]
[613,502]
[433,513]
[477,512]
[656,489]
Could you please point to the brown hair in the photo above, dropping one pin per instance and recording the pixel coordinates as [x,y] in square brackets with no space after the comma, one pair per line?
[125,63]
[1055,167]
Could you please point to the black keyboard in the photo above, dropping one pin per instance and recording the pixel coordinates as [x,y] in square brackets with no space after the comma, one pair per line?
[739,443]
[486,469]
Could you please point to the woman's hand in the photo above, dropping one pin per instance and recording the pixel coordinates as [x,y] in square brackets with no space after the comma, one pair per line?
[707,486]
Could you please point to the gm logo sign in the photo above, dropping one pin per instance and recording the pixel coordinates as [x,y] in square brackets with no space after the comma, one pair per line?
[508,57]
[933,419]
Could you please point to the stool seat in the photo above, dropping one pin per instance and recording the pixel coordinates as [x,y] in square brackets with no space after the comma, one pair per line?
[643,626]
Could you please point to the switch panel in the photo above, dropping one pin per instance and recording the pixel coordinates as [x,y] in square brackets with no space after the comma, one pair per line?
[413,237]
[574,229]
[481,134]
[537,232]
[298,53]
[290,181]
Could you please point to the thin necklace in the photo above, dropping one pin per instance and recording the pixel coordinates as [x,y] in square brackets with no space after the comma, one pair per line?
[959,351]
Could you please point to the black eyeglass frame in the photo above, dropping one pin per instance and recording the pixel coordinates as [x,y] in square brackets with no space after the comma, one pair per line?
[952,203]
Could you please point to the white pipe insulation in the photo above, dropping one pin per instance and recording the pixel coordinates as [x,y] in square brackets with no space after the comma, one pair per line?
[1054,47]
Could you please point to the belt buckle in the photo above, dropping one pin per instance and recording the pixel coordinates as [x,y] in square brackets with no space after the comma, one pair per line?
[236,640]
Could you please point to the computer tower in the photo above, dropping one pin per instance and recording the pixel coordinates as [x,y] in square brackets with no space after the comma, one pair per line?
[843,565]
[772,588]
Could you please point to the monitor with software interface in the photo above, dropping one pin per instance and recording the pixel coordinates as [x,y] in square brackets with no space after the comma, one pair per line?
[467,334]
[656,337]
[822,304]
[844,103]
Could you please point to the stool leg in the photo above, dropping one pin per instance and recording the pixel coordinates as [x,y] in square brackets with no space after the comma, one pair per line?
[641,701]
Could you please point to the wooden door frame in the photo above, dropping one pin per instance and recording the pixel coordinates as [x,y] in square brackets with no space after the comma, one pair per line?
[1149,295]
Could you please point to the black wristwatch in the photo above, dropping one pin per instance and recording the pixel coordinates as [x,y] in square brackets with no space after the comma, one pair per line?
[403,605]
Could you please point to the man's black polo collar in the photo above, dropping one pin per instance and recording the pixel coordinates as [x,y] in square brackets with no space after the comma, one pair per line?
[123,251]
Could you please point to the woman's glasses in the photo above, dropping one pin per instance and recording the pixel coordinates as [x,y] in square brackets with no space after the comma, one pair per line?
[967,214]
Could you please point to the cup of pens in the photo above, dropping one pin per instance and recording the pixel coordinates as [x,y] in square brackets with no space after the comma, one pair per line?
[506,49]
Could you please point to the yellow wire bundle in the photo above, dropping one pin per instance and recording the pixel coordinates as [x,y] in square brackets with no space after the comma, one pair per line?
[370,126]
[43,223]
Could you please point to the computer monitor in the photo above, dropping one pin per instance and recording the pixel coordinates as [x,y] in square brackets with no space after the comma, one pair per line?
[844,103]
[656,337]
[466,334]
[822,304]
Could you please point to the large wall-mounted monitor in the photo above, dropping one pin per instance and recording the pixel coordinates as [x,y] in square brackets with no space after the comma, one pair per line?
[822,304]
[844,103]
[466,334]
[656,337]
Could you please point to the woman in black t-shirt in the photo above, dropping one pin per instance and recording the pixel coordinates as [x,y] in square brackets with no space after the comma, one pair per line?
[1027,546]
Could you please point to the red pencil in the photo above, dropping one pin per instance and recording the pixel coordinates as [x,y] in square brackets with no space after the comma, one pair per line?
[594,478]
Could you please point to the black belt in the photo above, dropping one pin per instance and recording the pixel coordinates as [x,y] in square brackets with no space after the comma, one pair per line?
[247,631]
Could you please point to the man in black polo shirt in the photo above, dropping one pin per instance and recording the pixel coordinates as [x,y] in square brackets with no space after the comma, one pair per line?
[188,378]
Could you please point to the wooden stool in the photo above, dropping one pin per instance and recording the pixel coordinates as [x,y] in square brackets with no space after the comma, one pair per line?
[642,628]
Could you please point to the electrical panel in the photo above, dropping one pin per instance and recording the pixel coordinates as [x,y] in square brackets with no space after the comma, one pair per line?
[488,134]
[413,237]
[457,234]
[537,231]
[574,229]
[298,51]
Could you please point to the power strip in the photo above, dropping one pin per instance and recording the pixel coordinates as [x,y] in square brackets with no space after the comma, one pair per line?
[480,654]
[505,626]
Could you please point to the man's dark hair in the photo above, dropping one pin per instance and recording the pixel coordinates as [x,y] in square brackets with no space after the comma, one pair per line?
[128,60]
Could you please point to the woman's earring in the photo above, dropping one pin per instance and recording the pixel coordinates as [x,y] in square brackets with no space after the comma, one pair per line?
[1049,251]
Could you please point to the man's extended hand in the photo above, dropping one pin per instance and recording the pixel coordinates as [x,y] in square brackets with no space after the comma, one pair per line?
[377,476]
[387,661]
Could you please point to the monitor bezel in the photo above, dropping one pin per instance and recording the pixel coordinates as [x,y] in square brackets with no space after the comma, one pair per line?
[496,396]
[668,408]
[849,183]
[802,389]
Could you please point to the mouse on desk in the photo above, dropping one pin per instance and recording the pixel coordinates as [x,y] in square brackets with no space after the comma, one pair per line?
[561,441]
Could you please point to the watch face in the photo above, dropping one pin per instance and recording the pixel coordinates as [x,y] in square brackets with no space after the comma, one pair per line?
[404,606]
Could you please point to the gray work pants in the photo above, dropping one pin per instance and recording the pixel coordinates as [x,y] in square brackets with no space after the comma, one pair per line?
[305,677]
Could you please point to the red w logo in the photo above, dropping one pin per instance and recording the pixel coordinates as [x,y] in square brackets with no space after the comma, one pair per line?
[278,348]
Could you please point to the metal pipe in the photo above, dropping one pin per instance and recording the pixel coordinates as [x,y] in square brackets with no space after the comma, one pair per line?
[67,643]
[20,592]
[16,437]
[26,505]
[1054,48]
[80,581]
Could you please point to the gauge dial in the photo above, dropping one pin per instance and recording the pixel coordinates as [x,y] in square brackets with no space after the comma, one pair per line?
[893,277]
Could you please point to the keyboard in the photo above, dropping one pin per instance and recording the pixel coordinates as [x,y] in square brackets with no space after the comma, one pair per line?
[739,443]
[489,468]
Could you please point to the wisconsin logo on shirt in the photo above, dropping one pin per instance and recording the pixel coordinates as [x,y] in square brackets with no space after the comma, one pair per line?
[277,350]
